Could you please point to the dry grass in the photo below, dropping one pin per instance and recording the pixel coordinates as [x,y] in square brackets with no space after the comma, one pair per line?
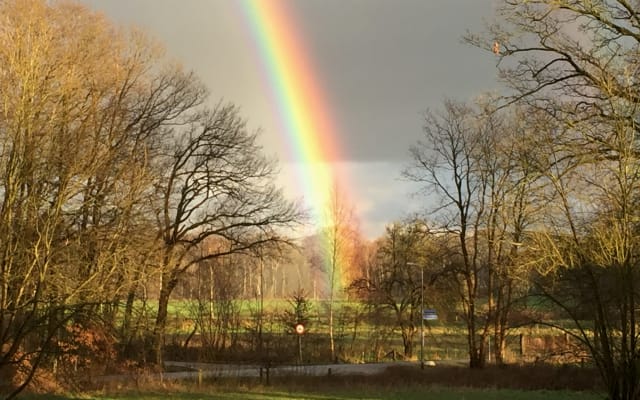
[518,377]
[531,377]
[398,382]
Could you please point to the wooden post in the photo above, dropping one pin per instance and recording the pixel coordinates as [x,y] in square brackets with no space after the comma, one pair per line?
[268,374]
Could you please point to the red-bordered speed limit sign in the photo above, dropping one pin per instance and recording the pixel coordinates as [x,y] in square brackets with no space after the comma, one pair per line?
[299,329]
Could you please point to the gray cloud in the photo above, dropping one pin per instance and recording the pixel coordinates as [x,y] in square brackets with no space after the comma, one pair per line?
[384,62]
[380,62]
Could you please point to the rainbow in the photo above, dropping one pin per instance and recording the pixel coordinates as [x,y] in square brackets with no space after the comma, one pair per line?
[305,117]
[303,112]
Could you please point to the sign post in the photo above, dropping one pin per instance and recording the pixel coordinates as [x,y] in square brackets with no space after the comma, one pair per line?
[427,315]
[422,319]
[300,331]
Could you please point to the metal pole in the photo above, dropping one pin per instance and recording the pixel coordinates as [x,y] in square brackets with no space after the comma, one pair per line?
[421,317]
[300,348]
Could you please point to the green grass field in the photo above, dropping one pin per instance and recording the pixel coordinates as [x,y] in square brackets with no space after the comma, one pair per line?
[358,338]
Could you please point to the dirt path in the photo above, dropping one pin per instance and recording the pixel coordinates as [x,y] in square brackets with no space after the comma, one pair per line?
[196,370]
[284,370]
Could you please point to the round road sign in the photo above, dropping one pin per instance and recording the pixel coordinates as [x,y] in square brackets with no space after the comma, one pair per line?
[299,329]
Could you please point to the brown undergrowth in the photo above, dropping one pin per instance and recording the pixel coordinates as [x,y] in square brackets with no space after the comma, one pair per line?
[516,377]
[528,377]
[519,377]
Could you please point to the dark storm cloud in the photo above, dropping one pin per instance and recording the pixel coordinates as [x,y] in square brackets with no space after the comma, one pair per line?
[384,62]
[381,63]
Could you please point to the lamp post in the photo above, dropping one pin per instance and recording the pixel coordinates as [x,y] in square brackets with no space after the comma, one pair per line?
[421,317]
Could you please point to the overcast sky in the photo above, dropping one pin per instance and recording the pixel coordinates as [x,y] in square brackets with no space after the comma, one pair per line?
[381,63]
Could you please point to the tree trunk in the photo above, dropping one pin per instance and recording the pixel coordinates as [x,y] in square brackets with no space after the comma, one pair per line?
[407,342]
[167,286]
[332,347]
[128,313]
[125,332]
[476,344]
[502,319]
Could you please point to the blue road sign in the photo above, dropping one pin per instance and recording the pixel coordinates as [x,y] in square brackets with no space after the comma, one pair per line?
[429,315]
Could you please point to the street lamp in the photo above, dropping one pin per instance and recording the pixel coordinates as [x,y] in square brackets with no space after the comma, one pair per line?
[421,317]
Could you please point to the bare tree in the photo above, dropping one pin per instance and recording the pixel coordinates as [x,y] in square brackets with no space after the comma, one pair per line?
[215,310]
[337,242]
[445,163]
[217,185]
[394,283]
[588,256]
[512,189]
[473,164]
[577,62]
[74,174]
[109,154]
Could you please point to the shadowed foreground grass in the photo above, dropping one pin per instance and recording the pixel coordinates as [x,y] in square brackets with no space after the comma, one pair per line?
[396,383]
[423,393]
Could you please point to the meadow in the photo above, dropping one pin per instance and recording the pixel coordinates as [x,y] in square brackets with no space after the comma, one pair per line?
[359,337]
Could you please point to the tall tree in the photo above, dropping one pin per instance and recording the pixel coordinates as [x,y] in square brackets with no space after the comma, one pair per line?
[217,184]
[471,162]
[576,61]
[516,194]
[74,173]
[337,242]
[395,278]
[444,162]
[108,155]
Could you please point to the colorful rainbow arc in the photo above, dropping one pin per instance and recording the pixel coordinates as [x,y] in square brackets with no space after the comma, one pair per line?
[303,111]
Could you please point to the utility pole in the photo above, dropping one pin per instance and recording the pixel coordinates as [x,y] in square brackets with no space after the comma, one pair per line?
[421,311]
[421,317]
